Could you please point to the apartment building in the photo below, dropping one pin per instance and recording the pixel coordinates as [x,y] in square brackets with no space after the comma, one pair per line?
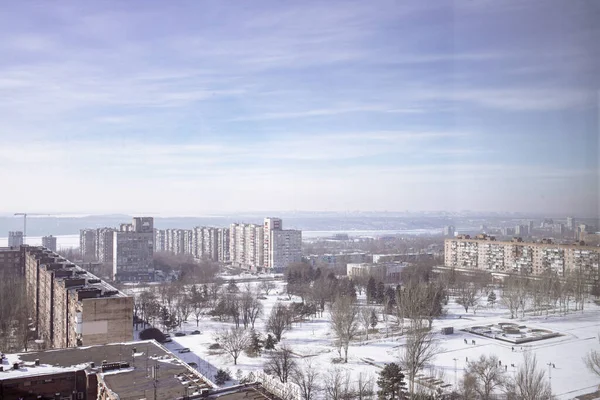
[87,244]
[11,261]
[49,242]
[516,256]
[133,249]
[70,306]
[223,245]
[15,238]
[246,246]
[264,247]
[104,245]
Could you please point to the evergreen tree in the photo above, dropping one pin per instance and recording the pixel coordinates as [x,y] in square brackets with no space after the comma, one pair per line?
[371,290]
[491,298]
[232,287]
[380,296]
[374,319]
[255,346]
[391,383]
[269,342]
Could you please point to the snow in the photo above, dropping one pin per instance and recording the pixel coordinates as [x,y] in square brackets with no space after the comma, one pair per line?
[313,340]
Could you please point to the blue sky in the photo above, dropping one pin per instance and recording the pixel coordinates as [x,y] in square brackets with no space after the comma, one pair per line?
[195,107]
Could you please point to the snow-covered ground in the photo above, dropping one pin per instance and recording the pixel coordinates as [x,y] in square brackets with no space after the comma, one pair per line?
[313,339]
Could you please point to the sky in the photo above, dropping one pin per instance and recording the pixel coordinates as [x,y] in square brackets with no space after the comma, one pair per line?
[196,107]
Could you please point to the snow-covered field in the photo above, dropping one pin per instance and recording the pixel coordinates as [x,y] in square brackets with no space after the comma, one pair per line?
[313,340]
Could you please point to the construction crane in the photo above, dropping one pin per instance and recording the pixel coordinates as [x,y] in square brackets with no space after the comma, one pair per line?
[25,224]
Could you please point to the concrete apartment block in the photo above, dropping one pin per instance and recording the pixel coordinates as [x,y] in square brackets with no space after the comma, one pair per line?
[72,307]
[485,253]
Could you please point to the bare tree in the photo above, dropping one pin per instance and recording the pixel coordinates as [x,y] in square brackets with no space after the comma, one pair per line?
[530,382]
[337,384]
[467,295]
[251,308]
[488,374]
[420,349]
[344,322]
[592,360]
[233,341]
[512,295]
[266,286]
[306,377]
[279,320]
[468,387]
[365,387]
[183,308]
[365,316]
[280,363]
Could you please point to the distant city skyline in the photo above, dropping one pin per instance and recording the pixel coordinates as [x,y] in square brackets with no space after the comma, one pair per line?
[200,108]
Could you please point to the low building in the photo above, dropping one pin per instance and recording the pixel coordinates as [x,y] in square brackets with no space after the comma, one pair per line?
[383,272]
[119,371]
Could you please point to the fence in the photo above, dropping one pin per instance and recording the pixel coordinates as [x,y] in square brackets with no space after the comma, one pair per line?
[286,391]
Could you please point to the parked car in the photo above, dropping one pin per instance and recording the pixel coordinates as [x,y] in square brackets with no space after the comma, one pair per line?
[167,340]
[167,335]
[179,334]
[193,364]
[196,332]
[184,350]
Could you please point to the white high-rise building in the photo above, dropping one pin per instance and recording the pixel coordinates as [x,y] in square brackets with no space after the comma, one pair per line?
[282,246]
[15,239]
[246,246]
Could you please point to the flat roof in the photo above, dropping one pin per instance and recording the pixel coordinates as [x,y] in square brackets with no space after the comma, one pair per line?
[91,280]
[175,378]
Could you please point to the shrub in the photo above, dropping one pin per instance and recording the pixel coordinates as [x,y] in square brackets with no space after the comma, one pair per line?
[222,376]
[214,346]
[152,333]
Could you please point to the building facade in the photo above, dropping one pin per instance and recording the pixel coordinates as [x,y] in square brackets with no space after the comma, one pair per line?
[70,306]
[87,245]
[104,245]
[11,261]
[15,239]
[133,249]
[49,242]
[485,253]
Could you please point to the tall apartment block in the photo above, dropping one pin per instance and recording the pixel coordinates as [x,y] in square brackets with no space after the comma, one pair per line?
[267,246]
[87,244]
[104,245]
[223,245]
[49,242]
[71,307]
[15,239]
[449,231]
[133,249]
[485,253]
[282,246]
[246,246]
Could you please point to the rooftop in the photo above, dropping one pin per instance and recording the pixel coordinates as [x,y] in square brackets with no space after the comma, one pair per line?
[75,278]
[127,369]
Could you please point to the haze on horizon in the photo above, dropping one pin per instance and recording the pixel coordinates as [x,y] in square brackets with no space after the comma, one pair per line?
[203,107]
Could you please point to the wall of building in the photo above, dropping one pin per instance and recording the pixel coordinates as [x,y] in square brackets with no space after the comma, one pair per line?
[518,256]
[107,320]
